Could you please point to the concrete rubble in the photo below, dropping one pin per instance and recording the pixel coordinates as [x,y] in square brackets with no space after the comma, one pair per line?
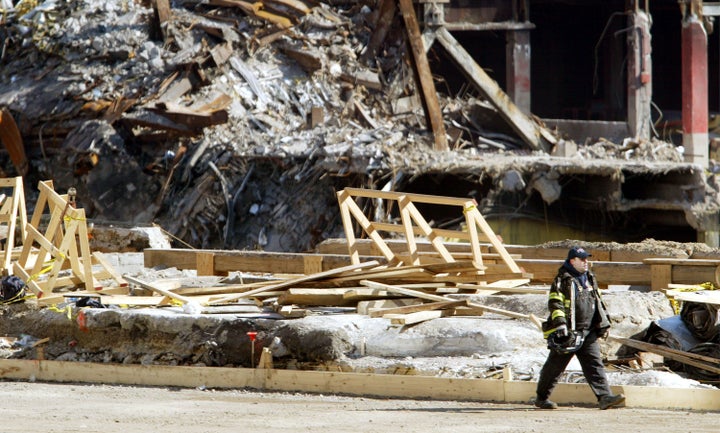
[270,142]
[217,128]
[331,338]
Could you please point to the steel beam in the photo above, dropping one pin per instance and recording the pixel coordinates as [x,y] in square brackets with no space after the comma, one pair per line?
[695,90]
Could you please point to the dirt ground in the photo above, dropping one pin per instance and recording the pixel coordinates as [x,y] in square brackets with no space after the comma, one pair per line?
[51,407]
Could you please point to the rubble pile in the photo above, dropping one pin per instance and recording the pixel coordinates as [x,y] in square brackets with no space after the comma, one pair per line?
[219,122]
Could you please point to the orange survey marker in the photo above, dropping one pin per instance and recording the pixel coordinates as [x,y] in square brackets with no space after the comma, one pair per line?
[11,139]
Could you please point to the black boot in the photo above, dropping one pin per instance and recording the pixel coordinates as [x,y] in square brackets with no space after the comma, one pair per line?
[545,404]
[608,401]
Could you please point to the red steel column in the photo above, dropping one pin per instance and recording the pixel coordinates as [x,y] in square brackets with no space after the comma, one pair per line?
[695,90]
[518,68]
[639,89]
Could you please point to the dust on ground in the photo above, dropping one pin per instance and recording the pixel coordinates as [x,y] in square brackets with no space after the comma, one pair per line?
[62,408]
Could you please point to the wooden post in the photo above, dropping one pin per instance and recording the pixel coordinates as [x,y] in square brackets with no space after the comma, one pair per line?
[12,212]
[312,264]
[660,277]
[424,75]
[535,136]
[205,264]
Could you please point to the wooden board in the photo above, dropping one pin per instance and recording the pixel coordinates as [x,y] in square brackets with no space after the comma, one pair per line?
[247,261]
[365,307]
[542,270]
[359,384]
[318,297]
[408,309]
[704,297]
[431,297]
[289,283]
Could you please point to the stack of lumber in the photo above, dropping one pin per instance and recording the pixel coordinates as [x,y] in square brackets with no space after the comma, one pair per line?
[368,288]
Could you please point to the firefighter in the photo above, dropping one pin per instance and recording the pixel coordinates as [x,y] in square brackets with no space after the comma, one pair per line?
[577,319]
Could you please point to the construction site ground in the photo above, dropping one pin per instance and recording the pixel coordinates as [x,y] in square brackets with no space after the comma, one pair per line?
[110,409]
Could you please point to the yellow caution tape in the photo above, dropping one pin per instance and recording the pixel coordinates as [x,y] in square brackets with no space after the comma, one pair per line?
[66,310]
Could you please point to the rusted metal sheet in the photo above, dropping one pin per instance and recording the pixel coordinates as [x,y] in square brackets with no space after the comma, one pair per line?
[478,12]
[488,15]
[432,105]
[533,135]
[12,140]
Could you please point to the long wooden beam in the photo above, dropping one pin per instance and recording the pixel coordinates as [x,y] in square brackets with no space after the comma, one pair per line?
[246,261]
[294,281]
[543,270]
[532,134]
[365,247]
[357,384]
[424,75]
[436,298]
[700,361]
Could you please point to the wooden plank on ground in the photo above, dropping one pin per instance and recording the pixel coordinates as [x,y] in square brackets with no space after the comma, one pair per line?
[102,261]
[417,317]
[292,282]
[407,309]
[139,301]
[364,307]
[223,289]
[360,384]
[700,361]
[452,267]
[431,297]
[357,294]
[704,297]
[496,286]
[317,297]
[155,288]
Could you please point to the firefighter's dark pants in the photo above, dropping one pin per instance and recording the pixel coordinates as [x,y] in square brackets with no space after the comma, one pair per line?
[590,361]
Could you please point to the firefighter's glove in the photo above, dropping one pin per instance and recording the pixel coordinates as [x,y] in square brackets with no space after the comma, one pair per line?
[561,331]
[604,333]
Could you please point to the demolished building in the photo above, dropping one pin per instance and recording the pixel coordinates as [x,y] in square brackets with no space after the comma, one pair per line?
[217,120]
[233,125]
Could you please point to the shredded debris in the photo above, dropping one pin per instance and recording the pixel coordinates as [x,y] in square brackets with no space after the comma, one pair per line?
[216,119]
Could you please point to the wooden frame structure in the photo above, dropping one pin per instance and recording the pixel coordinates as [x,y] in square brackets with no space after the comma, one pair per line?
[65,238]
[12,213]
[413,224]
